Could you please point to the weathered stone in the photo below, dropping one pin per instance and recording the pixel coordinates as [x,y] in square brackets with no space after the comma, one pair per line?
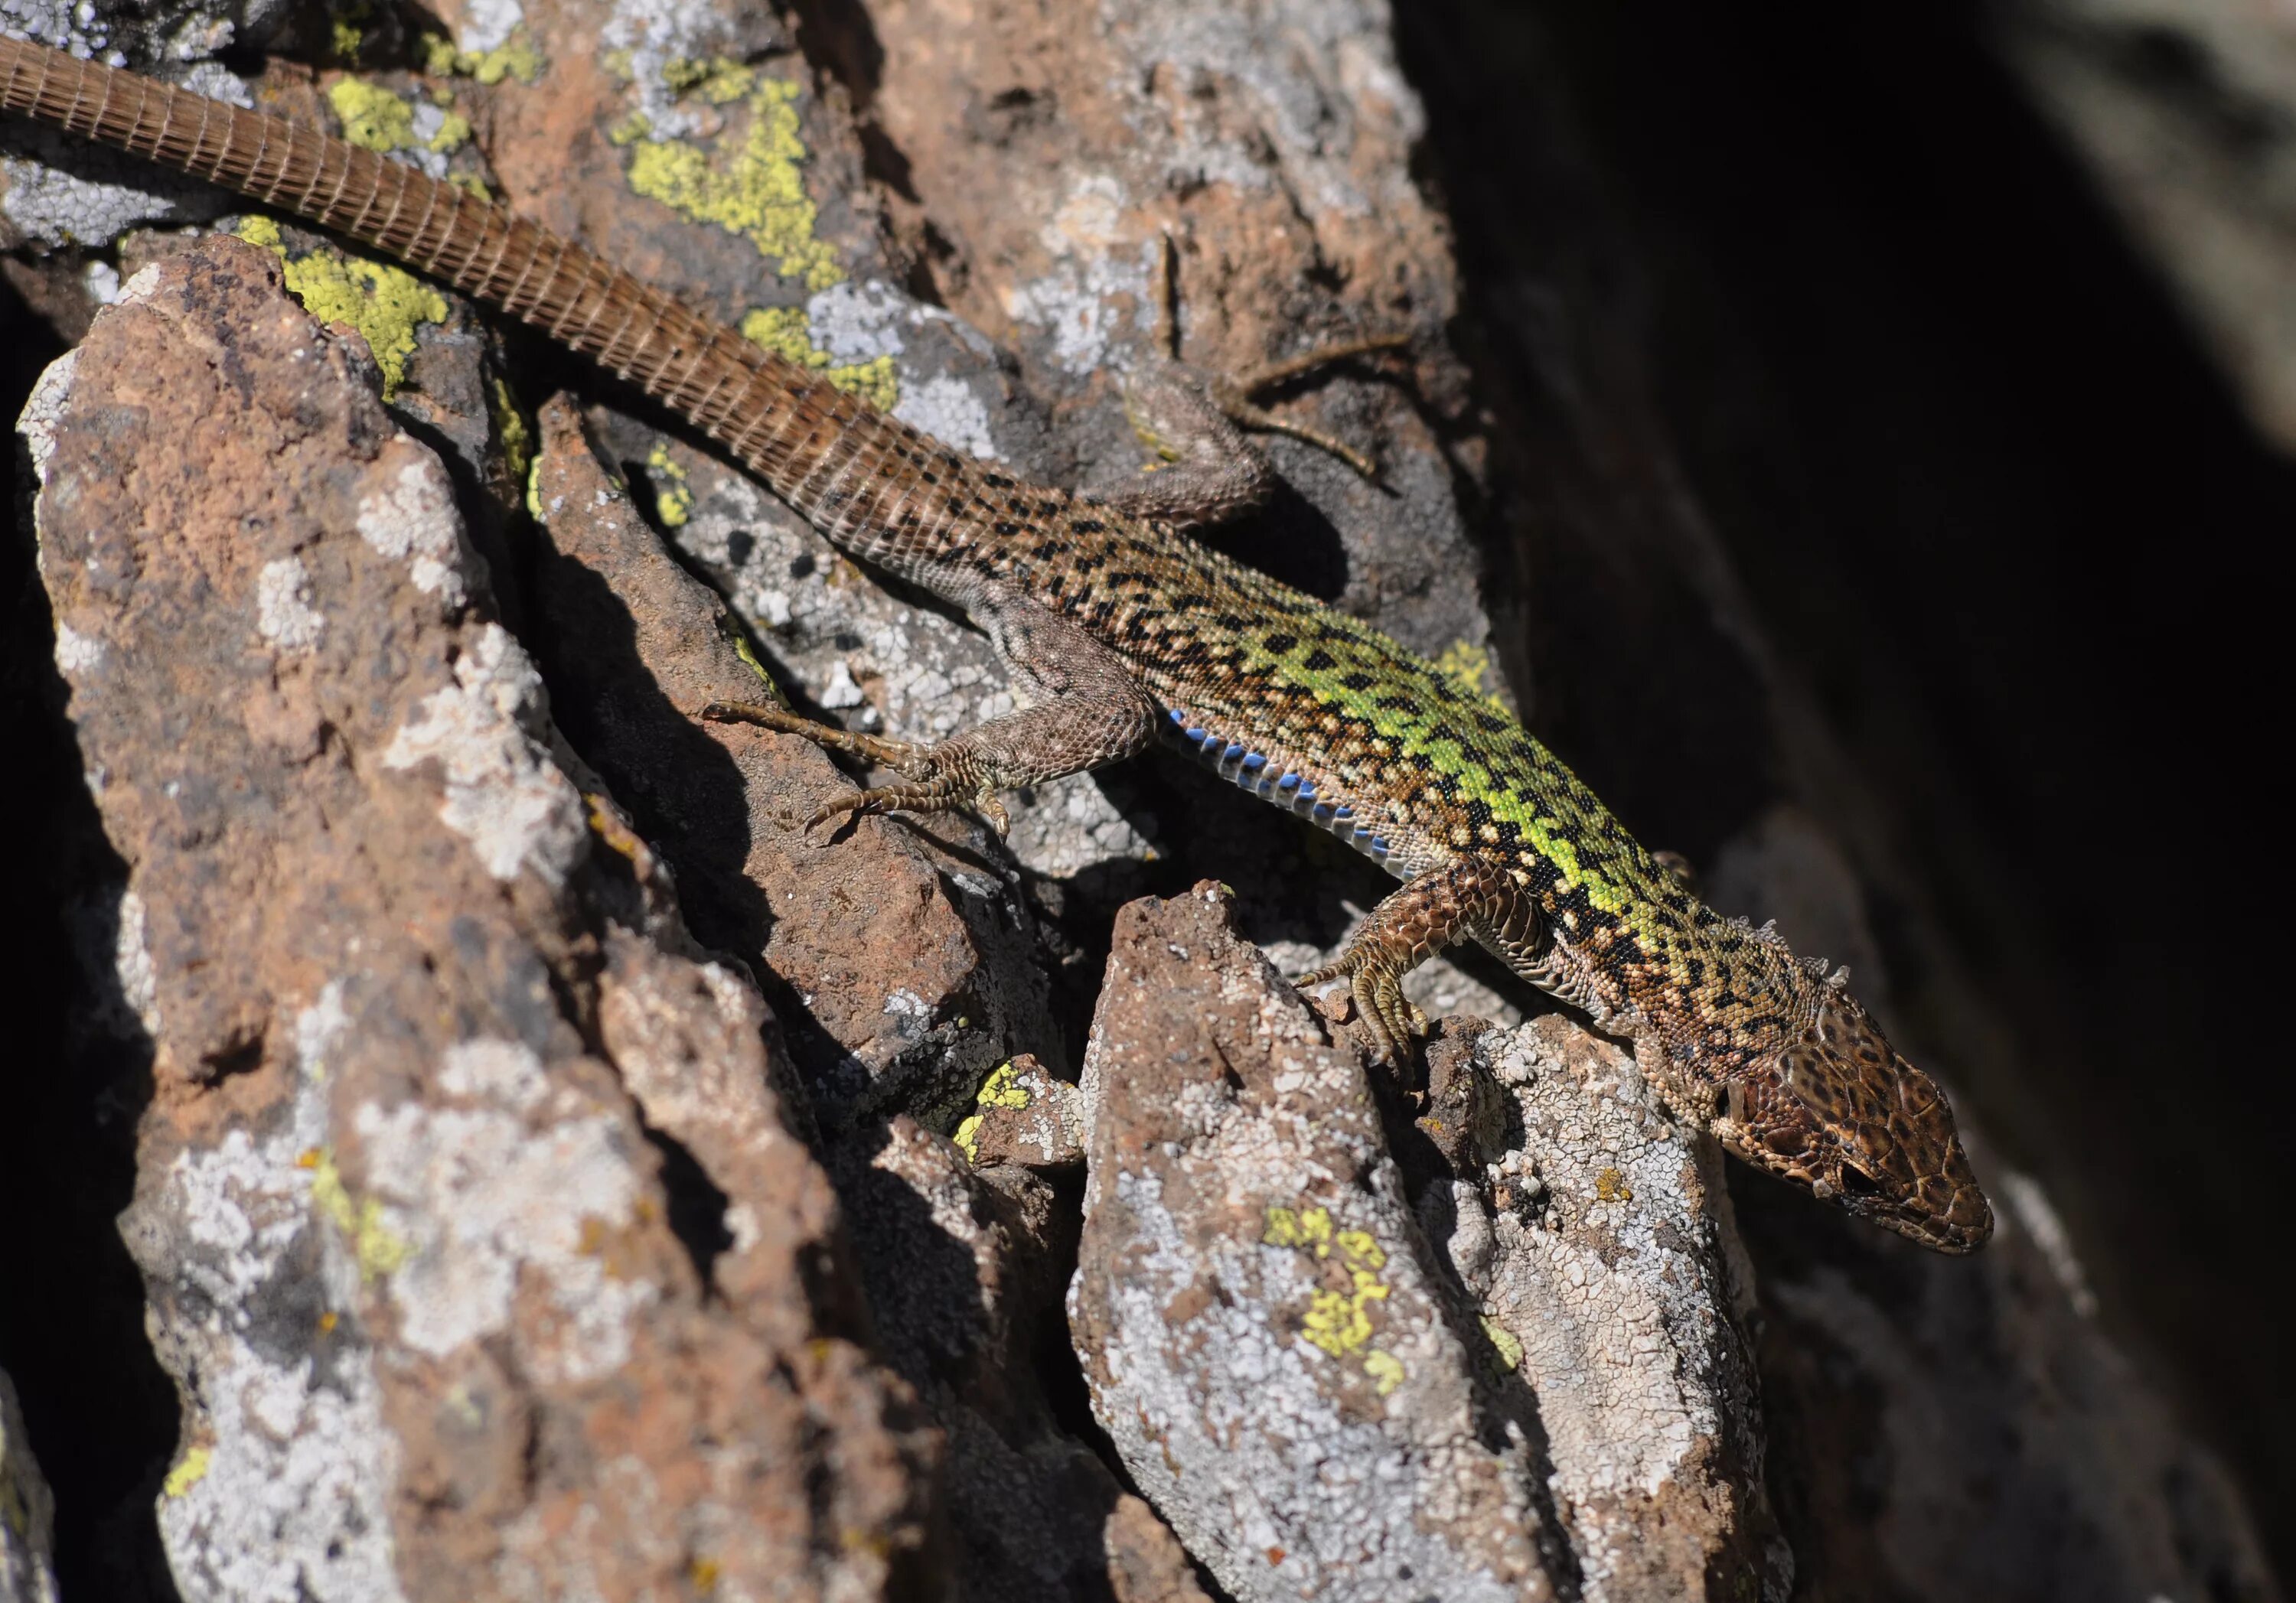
[428,1102]
[905,972]
[28,1512]
[1266,1336]
[1021,1115]
[1961,1427]
[1598,1240]
[965,1269]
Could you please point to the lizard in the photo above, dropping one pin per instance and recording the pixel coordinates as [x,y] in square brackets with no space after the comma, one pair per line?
[1127,633]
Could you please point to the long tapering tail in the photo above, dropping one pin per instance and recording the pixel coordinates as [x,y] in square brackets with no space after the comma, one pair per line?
[817,446]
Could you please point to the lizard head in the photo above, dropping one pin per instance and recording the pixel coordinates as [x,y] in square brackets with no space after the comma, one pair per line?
[1836,1109]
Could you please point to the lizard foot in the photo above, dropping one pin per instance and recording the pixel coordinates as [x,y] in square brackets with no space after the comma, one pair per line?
[1375,985]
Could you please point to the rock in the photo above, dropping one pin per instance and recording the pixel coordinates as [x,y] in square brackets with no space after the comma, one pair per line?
[2186,116]
[1023,1116]
[1575,1358]
[904,971]
[1962,1428]
[1598,1240]
[28,1512]
[1269,1331]
[1266,1335]
[965,1269]
[428,1119]
[962,1276]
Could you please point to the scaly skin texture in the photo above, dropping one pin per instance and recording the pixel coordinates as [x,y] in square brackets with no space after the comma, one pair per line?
[1126,631]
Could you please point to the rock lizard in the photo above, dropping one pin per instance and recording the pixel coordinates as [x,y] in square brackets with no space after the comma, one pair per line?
[1128,632]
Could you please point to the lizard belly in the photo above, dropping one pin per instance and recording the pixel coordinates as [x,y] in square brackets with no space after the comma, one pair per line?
[1299,788]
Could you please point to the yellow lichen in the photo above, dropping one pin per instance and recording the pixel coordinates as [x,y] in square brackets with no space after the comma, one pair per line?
[376,119]
[786,329]
[511,429]
[1468,666]
[516,57]
[385,304]
[1002,1089]
[375,1248]
[1385,1369]
[758,191]
[748,656]
[673,495]
[1611,1186]
[190,1470]
[1503,1342]
[1337,1321]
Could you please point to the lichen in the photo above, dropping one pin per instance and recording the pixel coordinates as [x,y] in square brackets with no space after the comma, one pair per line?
[1468,666]
[375,1248]
[511,429]
[385,304]
[516,57]
[1339,1322]
[673,495]
[759,192]
[190,1470]
[1503,1342]
[785,329]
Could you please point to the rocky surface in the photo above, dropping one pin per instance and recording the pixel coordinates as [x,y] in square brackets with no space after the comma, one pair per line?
[614,1185]
[1526,1380]
[2186,116]
[28,1512]
[425,1121]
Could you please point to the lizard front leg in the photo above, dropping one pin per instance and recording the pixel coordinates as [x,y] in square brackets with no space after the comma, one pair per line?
[1439,908]
[1094,712]
[1196,420]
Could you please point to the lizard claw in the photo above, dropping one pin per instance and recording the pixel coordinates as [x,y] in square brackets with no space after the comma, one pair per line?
[1376,989]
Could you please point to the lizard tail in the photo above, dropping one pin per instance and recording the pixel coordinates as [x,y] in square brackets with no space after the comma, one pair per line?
[816,446]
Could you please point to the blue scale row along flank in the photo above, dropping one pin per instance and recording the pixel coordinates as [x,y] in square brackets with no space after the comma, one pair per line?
[1238,763]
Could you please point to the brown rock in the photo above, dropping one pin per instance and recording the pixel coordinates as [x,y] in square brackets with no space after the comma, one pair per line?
[1266,1335]
[1021,1115]
[906,973]
[406,1213]
[965,1267]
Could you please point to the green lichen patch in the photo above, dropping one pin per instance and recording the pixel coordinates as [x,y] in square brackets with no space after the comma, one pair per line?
[757,190]
[1001,1089]
[515,58]
[1339,1321]
[375,1248]
[385,304]
[785,329]
[673,493]
[376,119]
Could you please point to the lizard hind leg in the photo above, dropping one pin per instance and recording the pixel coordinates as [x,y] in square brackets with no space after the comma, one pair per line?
[1437,909]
